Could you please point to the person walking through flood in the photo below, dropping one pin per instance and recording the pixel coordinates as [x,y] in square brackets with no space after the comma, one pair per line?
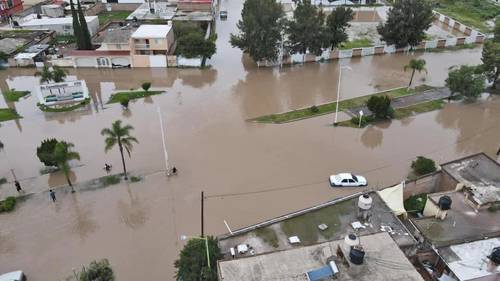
[52,195]
[18,186]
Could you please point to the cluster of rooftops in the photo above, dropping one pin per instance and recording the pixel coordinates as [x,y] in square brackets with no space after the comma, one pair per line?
[371,236]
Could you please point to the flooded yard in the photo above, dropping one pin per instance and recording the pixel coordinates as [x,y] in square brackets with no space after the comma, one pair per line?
[249,171]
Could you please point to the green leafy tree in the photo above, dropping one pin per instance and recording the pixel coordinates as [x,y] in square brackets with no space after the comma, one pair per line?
[491,61]
[465,81]
[406,23]
[45,152]
[423,165]
[118,135]
[85,34]
[195,45]
[415,65]
[380,106]
[192,262]
[146,85]
[97,271]
[306,32]
[77,30]
[336,24]
[260,28]
[62,155]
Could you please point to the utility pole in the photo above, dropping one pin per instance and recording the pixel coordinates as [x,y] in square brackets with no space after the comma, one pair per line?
[202,215]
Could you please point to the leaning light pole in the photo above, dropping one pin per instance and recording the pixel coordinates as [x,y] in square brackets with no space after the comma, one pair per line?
[335,123]
[165,154]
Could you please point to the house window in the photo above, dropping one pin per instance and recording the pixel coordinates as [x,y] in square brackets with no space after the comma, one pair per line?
[67,27]
[142,52]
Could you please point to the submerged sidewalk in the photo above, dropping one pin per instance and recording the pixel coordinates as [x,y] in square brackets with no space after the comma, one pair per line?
[405,101]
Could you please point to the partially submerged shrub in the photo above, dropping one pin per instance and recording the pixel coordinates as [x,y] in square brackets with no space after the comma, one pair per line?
[423,165]
[8,204]
[314,109]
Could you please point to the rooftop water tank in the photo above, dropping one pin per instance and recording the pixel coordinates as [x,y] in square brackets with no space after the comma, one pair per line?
[356,255]
[351,240]
[444,203]
[365,202]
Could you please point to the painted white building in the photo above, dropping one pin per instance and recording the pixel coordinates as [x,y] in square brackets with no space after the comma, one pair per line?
[62,26]
[63,92]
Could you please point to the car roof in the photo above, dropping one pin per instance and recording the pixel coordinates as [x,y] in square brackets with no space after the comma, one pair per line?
[11,276]
[345,175]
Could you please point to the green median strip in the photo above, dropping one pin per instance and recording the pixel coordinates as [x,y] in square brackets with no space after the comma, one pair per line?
[399,113]
[115,98]
[13,95]
[330,107]
[7,114]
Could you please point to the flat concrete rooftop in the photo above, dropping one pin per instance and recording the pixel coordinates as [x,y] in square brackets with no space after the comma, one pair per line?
[115,33]
[337,215]
[462,224]
[480,176]
[468,260]
[383,261]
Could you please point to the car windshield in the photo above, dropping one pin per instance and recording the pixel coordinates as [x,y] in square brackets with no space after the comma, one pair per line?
[354,177]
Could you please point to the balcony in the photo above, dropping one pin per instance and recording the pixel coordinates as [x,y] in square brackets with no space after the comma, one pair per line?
[142,46]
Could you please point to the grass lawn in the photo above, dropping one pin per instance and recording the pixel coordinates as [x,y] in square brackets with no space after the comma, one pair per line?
[415,203]
[104,17]
[468,12]
[358,43]
[63,108]
[14,95]
[64,39]
[8,114]
[306,226]
[268,235]
[132,95]
[330,107]
[399,113]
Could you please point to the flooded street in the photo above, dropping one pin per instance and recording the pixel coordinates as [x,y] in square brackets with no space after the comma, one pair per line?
[249,172]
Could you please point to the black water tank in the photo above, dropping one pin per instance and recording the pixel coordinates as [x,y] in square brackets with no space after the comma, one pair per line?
[356,255]
[495,255]
[444,203]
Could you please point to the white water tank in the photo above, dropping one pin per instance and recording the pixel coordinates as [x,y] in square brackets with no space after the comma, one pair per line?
[365,202]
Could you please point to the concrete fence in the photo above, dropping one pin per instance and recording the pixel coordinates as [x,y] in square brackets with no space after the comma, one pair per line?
[471,37]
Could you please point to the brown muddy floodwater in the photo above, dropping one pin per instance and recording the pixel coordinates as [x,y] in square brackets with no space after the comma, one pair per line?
[249,171]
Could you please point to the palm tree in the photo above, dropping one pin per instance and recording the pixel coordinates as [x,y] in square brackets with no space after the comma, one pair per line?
[62,155]
[121,136]
[58,74]
[45,75]
[415,65]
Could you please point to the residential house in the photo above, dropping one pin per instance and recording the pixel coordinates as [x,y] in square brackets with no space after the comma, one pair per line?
[9,7]
[150,45]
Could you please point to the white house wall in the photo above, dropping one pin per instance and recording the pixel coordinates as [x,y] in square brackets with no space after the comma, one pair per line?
[158,61]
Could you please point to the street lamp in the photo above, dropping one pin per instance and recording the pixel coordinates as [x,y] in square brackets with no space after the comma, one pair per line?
[185,237]
[335,123]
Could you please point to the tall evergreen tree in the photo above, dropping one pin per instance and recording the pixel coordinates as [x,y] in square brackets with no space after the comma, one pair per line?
[260,29]
[406,23]
[85,35]
[306,32]
[77,31]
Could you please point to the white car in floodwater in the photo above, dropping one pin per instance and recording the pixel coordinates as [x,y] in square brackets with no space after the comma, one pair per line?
[13,276]
[347,179]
